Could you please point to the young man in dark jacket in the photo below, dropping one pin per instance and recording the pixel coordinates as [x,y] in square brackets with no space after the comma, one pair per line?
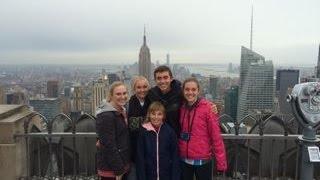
[168,92]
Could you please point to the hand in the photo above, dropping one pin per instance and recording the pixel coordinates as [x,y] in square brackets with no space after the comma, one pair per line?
[98,144]
[220,175]
[123,171]
[214,108]
[119,177]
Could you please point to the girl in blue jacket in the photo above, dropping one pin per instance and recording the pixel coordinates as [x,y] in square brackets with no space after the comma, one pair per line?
[157,150]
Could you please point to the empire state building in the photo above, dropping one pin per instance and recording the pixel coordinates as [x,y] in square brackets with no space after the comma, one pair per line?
[145,59]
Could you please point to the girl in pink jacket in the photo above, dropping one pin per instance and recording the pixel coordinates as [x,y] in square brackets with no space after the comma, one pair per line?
[200,139]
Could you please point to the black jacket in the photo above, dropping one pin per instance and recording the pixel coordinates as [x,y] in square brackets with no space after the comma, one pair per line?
[113,152]
[157,151]
[171,101]
[136,115]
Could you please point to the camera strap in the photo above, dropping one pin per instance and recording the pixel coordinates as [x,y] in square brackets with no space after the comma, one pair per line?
[190,124]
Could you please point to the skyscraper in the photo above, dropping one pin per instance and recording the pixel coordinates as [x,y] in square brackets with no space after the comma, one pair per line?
[231,101]
[213,86]
[104,74]
[49,107]
[230,68]
[76,105]
[168,59]
[2,95]
[87,99]
[145,59]
[52,89]
[67,92]
[256,84]
[99,92]
[112,77]
[17,97]
[286,79]
[247,57]
[318,65]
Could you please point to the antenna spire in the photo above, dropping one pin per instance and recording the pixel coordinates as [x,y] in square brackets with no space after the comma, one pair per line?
[144,35]
[251,26]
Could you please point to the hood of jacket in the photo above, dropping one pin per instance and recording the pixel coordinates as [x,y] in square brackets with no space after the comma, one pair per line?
[104,107]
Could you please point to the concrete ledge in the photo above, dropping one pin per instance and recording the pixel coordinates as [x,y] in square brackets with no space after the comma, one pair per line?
[8,163]
[13,156]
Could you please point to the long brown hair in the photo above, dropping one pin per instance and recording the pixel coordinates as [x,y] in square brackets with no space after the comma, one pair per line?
[191,79]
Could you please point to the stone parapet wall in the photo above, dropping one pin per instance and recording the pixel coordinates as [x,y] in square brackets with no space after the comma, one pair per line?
[13,158]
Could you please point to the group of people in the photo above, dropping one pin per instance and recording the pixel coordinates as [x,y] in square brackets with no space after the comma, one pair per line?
[166,132]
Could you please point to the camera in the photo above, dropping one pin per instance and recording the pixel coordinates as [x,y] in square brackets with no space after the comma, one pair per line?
[185,136]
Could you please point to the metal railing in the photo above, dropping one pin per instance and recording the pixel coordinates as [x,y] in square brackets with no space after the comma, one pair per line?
[267,151]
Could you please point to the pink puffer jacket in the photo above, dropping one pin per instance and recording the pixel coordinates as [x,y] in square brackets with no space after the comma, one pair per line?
[205,139]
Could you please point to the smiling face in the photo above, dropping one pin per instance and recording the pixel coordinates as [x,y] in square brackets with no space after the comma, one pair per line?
[141,88]
[156,118]
[119,96]
[163,81]
[191,92]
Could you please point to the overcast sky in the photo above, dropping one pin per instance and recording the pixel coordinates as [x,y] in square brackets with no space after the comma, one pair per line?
[191,31]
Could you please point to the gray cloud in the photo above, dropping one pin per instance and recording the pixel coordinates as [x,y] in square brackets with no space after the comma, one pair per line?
[206,31]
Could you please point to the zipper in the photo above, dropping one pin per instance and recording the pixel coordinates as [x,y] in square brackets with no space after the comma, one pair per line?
[158,173]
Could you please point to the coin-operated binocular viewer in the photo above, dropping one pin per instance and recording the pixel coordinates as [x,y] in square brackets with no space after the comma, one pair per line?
[305,104]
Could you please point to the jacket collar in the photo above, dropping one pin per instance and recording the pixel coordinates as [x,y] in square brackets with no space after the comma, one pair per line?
[105,107]
[148,126]
[196,104]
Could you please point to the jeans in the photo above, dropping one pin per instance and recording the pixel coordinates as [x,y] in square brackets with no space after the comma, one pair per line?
[203,172]
[132,174]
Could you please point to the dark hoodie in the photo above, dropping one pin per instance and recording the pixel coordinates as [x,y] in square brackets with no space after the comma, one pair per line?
[136,115]
[113,153]
[171,101]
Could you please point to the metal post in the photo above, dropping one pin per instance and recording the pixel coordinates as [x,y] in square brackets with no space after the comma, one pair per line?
[308,139]
[305,105]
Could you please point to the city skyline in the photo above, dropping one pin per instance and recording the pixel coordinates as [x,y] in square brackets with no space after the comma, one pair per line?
[204,31]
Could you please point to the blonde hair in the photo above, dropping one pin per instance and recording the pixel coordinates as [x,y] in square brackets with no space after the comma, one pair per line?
[156,106]
[112,87]
[135,81]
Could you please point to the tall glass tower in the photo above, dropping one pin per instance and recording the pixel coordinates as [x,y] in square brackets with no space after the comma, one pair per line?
[256,84]
[286,79]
